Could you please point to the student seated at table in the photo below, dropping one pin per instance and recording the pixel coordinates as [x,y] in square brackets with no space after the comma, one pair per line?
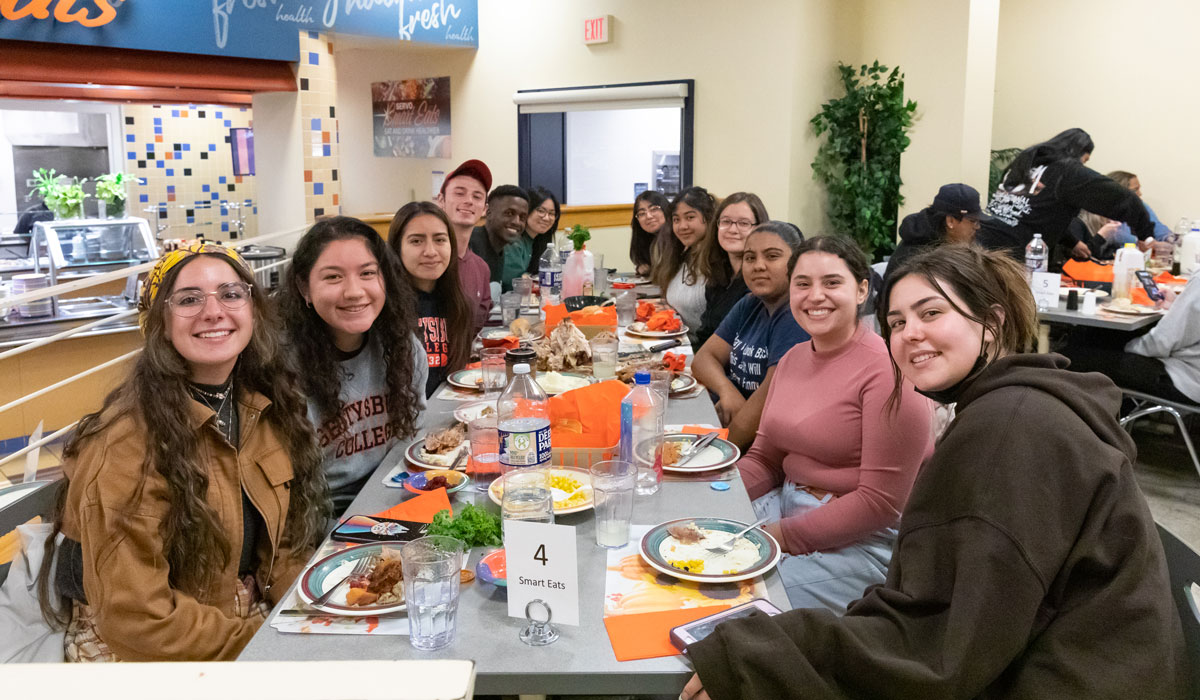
[953,217]
[832,463]
[719,258]
[421,237]
[523,255]
[194,496]
[1163,362]
[1097,232]
[649,217]
[1131,182]
[1027,563]
[676,269]
[503,224]
[737,362]
[349,319]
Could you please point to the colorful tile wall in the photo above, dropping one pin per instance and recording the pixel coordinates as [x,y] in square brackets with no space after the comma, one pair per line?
[181,156]
[319,128]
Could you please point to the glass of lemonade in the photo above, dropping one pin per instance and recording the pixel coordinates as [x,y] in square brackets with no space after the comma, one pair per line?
[604,357]
[612,492]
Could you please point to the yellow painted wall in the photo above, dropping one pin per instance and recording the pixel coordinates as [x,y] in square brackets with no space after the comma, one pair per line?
[761,71]
[1120,70]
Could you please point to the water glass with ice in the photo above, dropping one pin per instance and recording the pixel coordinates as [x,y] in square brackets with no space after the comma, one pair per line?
[431,582]
[484,467]
[612,493]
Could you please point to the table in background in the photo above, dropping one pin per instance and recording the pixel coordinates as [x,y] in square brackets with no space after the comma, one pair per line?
[1101,319]
[582,660]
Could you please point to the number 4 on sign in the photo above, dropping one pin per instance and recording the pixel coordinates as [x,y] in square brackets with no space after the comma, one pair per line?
[540,554]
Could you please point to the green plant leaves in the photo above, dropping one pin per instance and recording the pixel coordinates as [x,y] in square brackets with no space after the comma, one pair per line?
[861,168]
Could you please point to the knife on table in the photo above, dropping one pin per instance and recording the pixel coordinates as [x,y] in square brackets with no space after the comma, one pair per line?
[695,448]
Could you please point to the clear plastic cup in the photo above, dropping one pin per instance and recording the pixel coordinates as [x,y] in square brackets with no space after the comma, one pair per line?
[527,495]
[523,287]
[604,357]
[431,584]
[510,306]
[626,303]
[492,367]
[612,488]
[484,467]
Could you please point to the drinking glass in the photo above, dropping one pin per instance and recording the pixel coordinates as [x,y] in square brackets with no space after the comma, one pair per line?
[626,303]
[604,357]
[431,565]
[510,306]
[612,494]
[491,365]
[660,384]
[527,495]
[484,466]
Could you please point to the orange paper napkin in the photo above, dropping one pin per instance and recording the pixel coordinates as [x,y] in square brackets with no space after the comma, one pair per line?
[1088,271]
[606,316]
[1139,296]
[1168,278]
[589,416]
[648,635]
[419,509]
[722,433]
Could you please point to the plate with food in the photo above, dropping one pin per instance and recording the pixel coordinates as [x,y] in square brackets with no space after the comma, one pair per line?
[627,279]
[439,449]
[572,490]
[679,548]
[555,383]
[642,329]
[377,591]
[718,454]
[1128,308]
[520,328]
[476,409]
[434,479]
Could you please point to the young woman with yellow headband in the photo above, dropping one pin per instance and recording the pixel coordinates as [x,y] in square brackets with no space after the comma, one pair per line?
[194,496]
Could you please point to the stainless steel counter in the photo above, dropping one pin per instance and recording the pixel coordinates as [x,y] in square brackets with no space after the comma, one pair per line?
[17,330]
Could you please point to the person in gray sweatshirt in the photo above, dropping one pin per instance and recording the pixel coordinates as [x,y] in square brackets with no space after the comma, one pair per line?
[349,319]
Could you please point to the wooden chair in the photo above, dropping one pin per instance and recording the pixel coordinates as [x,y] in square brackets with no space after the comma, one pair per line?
[1183,569]
[1147,404]
[18,505]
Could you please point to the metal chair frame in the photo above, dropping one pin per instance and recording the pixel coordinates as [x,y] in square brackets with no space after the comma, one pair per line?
[1147,404]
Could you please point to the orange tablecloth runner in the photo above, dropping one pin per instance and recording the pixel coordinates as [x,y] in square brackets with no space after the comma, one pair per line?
[419,509]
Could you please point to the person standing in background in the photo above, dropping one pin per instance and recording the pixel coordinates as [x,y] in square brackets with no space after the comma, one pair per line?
[421,238]
[523,254]
[1044,189]
[649,217]
[464,198]
[719,258]
[504,224]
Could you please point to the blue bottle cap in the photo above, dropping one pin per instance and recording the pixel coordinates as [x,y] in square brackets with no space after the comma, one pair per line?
[641,377]
[719,486]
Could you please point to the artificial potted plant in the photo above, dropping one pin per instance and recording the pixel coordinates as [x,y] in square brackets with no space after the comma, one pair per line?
[66,201]
[110,193]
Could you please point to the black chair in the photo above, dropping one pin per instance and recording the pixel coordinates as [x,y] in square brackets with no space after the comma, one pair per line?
[31,500]
[1147,404]
[1183,569]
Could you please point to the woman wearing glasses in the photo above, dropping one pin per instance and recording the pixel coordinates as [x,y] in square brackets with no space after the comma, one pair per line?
[719,258]
[523,255]
[350,320]
[649,218]
[194,496]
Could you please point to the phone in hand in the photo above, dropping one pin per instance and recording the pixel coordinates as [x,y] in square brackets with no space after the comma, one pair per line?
[1148,284]
[696,630]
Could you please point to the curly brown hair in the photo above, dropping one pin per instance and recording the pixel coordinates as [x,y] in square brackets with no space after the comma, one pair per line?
[157,396]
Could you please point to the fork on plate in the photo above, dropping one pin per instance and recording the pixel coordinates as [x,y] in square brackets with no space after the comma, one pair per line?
[361,568]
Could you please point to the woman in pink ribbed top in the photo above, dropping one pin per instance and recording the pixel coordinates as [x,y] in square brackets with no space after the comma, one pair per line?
[831,465]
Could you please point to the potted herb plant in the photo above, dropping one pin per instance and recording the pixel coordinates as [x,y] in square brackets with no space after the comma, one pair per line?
[66,201]
[110,192]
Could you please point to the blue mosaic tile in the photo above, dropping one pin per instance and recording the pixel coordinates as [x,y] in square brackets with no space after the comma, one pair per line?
[149,147]
[187,146]
[316,124]
[313,59]
[216,195]
[313,35]
[212,146]
[174,113]
[129,138]
[171,188]
[132,155]
[241,109]
[224,209]
[170,172]
[158,121]
[318,188]
[191,219]
[158,130]
[204,188]
[224,227]
[219,116]
[178,155]
[228,123]
[326,150]
[221,179]
[255,210]
[143,198]
[160,164]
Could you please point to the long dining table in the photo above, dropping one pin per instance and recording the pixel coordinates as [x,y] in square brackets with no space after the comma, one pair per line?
[582,661]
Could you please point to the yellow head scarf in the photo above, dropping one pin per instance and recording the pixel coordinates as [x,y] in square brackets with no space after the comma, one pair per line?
[159,272]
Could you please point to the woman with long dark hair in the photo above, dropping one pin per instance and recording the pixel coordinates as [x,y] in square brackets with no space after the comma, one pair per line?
[719,258]
[194,496]
[676,268]
[350,320]
[1027,563]
[649,217]
[1044,189]
[422,239]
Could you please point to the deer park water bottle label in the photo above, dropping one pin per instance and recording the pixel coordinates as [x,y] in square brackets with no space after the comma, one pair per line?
[524,442]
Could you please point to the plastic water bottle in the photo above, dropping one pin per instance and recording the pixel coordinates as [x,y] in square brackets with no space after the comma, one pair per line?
[549,274]
[1035,257]
[1128,260]
[523,424]
[642,434]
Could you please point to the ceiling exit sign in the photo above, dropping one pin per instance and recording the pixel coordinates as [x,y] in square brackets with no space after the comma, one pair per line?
[595,30]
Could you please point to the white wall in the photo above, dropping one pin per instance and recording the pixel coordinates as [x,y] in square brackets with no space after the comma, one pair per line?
[277,134]
[609,150]
[1123,71]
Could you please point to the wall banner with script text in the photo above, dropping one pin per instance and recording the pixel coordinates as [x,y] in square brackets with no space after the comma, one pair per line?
[411,118]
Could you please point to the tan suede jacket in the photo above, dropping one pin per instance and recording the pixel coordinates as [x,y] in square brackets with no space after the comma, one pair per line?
[125,571]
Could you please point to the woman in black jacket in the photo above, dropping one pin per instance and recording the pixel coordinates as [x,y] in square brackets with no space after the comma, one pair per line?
[1044,189]
[954,216]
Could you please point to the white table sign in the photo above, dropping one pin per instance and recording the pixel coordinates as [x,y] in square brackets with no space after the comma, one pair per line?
[1045,289]
[541,563]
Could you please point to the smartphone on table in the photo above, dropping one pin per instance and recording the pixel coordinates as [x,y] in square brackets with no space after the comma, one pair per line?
[696,630]
[1148,284]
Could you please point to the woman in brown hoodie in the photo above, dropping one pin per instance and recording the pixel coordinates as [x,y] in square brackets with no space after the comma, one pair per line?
[195,494]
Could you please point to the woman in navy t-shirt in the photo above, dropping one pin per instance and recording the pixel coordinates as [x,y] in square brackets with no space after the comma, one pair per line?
[737,361]
[422,238]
